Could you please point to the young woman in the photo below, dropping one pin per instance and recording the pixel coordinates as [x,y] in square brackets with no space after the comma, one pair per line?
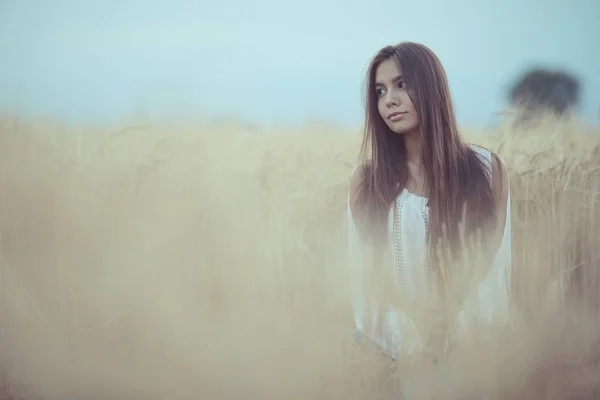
[420,199]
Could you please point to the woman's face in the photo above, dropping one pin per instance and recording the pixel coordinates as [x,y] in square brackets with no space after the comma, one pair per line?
[394,104]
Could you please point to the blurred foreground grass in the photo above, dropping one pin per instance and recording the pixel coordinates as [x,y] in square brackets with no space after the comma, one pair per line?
[206,261]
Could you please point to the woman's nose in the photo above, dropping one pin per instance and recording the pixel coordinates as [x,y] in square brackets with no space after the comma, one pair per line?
[391,99]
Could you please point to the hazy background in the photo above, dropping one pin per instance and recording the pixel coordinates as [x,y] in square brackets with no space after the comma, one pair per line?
[272,60]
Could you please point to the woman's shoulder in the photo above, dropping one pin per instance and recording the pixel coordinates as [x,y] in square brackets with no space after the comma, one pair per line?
[359,172]
[482,151]
[494,160]
[496,169]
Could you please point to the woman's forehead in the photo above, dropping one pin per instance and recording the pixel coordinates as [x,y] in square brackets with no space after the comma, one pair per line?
[387,71]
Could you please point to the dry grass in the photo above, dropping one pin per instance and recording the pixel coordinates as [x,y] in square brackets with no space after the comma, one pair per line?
[199,262]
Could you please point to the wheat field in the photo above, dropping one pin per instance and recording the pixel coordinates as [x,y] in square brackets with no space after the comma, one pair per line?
[199,261]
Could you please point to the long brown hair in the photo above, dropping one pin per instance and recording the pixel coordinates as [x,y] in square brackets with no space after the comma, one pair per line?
[460,192]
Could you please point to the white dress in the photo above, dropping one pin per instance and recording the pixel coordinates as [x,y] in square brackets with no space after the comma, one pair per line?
[394,331]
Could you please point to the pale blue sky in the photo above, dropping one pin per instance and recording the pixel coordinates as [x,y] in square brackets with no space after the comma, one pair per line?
[274,60]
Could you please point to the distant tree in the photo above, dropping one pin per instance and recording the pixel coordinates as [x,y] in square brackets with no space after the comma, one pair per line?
[543,90]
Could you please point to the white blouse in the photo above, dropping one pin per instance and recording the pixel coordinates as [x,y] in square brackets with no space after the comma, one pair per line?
[408,224]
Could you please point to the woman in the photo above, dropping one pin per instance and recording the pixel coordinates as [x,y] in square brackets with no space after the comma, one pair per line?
[422,199]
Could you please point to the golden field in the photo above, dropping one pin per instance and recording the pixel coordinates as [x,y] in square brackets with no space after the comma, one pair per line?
[207,262]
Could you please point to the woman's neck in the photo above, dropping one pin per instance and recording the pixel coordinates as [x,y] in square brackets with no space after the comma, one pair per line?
[412,146]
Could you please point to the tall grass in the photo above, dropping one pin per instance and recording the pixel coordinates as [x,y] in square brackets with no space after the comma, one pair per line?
[202,262]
